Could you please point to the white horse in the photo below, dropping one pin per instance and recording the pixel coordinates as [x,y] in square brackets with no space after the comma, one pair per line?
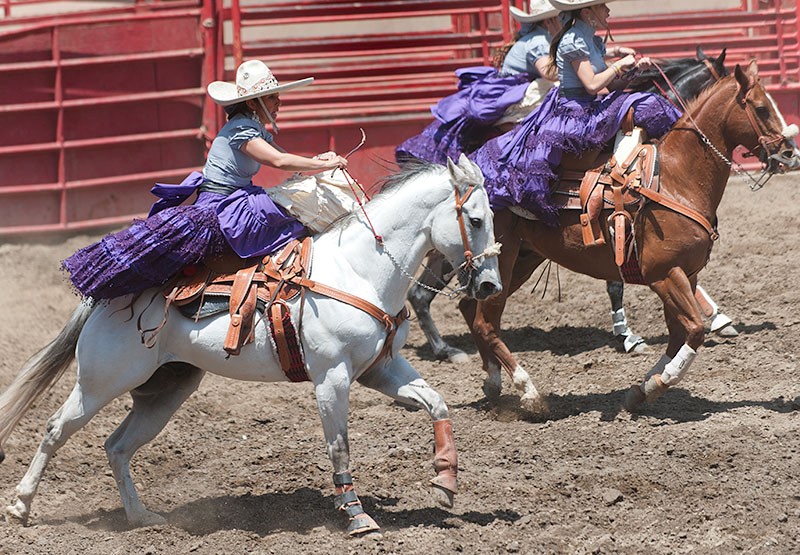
[420,208]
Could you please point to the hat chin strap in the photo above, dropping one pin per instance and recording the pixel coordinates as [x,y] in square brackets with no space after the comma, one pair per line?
[269,116]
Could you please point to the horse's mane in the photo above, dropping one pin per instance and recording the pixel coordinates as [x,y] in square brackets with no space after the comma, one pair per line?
[387,186]
[410,169]
[672,68]
[692,105]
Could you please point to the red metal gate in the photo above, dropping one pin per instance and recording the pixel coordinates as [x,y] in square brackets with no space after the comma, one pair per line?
[93,109]
[96,107]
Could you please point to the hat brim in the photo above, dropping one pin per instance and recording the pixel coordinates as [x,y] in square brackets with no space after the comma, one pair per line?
[569,6]
[225,94]
[524,17]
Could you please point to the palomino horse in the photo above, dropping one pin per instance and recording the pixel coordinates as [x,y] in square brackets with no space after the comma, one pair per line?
[420,208]
[689,77]
[672,246]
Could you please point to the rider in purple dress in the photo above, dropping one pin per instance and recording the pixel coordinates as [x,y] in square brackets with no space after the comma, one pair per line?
[582,114]
[488,96]
[229,211]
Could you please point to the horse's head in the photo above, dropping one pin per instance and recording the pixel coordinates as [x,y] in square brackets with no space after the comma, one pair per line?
[760,121]
[463,231]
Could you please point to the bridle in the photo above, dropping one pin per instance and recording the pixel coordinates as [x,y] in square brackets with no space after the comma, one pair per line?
[766,139]
[466,270]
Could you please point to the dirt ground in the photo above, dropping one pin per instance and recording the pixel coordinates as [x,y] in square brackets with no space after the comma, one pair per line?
[710,468]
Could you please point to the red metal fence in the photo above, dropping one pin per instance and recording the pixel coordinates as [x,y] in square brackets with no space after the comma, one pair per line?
[95,108]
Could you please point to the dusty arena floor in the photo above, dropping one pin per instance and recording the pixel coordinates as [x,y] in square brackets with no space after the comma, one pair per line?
[712,467]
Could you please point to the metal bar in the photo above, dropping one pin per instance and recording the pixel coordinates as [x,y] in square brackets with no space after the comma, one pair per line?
[116,99]
[102,141]
[58,94]
[100,60]
[236,21]
[97,182]
[359,17]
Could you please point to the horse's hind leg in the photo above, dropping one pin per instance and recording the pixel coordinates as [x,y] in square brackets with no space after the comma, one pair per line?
[686,333]
[399,380]
[439,273]
[631,343]
[154,403]
[75,413]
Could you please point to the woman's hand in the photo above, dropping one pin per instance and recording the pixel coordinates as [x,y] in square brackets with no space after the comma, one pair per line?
[626,63]
[333,159]
[624,51]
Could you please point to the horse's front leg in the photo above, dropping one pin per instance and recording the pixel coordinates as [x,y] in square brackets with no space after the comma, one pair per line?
[399,380]
[484,317]
[333,402]
[439,272]
[686,333]
[719,322]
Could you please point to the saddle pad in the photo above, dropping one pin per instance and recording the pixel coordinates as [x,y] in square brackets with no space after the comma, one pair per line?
[211,306]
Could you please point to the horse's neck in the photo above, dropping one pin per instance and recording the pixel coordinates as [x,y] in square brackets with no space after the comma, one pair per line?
[690,169]
[402,220]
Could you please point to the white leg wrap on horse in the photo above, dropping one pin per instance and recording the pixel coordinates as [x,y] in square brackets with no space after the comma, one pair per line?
[659,367]
[678,366]
[619,324]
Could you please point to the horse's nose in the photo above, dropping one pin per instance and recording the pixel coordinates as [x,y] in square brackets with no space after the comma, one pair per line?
[488,289]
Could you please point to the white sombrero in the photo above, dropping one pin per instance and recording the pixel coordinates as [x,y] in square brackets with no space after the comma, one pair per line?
[569,5]
[539,11]
[253,79]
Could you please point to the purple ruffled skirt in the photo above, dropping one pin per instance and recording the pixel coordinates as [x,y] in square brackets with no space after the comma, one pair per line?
[520,166]
[151,251]
[464,118]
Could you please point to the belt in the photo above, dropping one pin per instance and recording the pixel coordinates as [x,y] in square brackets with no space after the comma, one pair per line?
[211,187]
[576,93]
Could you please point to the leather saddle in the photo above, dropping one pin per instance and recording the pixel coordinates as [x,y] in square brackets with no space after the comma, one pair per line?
[244,287]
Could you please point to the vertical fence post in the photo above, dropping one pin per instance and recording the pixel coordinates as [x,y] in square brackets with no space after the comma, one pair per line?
[236,20]
[210,22]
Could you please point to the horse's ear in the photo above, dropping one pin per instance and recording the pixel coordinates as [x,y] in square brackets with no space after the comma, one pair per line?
[471,170]
[456,173]
[752,69]
[700,54]
[745,79]
[721,58]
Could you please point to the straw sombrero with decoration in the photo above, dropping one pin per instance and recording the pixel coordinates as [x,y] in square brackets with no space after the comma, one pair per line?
[253,80]
[539,10]
[569,5]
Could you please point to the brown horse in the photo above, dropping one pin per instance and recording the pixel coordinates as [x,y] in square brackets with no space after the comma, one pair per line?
[672,247]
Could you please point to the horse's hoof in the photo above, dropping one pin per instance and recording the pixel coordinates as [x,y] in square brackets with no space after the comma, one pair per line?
[145,519]
[443,496]
[634,398]
[491,390]
[457,356]
[534,404]
[634,345]
[727,331]
[654,388]
[16,515]
[362,525]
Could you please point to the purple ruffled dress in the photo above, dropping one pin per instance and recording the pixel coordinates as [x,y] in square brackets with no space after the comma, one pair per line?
[463,119]
[520,166]
[151,251]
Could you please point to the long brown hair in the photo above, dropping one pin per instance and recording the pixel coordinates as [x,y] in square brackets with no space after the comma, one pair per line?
[501,53]
[572,18]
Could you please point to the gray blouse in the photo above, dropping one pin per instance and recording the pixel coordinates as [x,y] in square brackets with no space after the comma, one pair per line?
[521,58]
[579,43]
[226,164]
